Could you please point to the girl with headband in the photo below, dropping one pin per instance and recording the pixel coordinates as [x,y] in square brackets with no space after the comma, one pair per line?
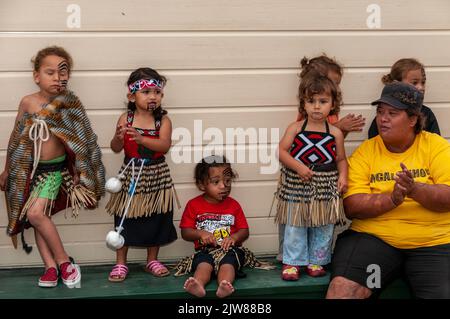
[144,134]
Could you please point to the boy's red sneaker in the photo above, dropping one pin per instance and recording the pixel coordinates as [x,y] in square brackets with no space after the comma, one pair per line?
[70,274]
[315,271]
[49,278]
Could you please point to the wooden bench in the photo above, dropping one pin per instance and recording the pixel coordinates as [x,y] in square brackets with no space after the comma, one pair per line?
[22,283]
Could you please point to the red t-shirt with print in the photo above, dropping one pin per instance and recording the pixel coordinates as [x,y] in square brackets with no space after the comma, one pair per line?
[222,219]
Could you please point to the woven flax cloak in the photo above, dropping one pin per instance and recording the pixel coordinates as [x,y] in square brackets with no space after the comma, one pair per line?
[66,119]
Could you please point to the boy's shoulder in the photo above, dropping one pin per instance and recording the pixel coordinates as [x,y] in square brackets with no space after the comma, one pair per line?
[29,101]
[32,103]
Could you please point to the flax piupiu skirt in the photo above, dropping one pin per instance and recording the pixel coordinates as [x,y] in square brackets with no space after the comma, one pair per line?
[149,221]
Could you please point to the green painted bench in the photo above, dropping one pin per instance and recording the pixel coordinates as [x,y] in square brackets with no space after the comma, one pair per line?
[22,283]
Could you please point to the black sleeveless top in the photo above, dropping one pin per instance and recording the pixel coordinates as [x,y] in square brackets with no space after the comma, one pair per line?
[314,148]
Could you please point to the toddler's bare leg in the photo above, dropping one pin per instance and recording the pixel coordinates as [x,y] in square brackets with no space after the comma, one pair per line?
[196,285]
[225,279]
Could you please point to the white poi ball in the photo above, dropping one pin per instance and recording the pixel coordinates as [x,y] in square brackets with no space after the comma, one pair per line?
[114,240]
[113,185]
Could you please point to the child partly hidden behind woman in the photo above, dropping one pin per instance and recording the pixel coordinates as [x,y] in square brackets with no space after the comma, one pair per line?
[53,161]
[412,72]
[144,134]
[217,225]
[313,177]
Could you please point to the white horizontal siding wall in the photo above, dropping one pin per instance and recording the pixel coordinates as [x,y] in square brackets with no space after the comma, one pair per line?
[230,64]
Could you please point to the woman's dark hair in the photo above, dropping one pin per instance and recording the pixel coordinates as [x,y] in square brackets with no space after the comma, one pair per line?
[201,174]
[315,83]
[420,119]
[147,74]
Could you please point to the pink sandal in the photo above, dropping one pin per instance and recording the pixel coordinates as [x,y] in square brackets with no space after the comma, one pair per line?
[118,273]
[157,269]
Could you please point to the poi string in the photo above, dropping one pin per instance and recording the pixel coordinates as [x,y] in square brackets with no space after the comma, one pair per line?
[131,191]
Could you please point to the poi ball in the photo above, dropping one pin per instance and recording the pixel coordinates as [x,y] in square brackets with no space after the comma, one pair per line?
[114,240]
[113,185]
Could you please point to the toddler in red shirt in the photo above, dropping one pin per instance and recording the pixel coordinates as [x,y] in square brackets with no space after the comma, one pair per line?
[216,224]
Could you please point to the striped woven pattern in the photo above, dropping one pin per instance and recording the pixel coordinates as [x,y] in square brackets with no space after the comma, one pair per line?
[309,204]
[184,266]
[66,119]
[154,192]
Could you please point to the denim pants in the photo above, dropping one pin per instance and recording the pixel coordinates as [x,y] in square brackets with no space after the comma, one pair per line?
[306,245]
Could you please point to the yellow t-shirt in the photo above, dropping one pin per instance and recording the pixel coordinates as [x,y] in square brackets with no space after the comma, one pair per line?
[371,171]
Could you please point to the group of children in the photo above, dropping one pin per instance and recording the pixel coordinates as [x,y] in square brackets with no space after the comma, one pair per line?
[54,162]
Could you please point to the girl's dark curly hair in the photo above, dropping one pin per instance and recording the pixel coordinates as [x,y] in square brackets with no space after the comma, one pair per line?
[315,83]
[147,74]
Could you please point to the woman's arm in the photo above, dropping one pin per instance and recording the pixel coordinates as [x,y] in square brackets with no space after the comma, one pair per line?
[364,206]
[433,197]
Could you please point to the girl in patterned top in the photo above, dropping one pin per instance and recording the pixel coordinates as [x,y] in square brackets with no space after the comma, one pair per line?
[144,133]
[313,177]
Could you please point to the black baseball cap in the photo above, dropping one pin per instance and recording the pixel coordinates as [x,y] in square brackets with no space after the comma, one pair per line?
[401,96]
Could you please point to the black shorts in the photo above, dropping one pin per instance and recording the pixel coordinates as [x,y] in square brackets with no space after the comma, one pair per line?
[235,256]
[360,257]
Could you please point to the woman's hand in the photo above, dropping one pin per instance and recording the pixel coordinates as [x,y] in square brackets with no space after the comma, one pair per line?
[398,194]
[405,180]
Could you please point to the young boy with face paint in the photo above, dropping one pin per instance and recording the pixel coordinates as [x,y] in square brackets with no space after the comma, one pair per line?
[48,166]
[217,225]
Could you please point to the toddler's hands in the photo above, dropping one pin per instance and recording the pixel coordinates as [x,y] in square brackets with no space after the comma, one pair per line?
[228,242]
[120,132]
[134,135]
[352,123]
[207,238]
[305,173]
[342,185]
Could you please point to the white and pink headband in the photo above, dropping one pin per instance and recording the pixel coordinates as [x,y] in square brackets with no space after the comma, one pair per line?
[144,84]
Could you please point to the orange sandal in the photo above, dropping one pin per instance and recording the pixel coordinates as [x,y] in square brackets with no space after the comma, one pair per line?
[118,273]
[157,269]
